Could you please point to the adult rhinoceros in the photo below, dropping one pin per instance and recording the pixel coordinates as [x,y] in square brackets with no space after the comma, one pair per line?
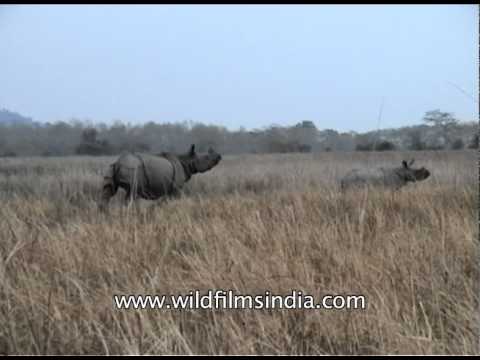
[153,176]
[393,178]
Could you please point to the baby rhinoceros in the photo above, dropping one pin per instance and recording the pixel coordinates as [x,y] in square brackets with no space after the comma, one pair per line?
[391,178]
[154,176]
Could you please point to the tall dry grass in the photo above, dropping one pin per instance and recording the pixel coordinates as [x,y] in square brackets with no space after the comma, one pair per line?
[254,223]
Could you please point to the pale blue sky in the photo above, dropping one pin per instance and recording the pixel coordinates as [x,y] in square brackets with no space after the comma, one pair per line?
[240,65]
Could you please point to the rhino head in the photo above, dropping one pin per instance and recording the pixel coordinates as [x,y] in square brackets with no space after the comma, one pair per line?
[407,173]
[200,163]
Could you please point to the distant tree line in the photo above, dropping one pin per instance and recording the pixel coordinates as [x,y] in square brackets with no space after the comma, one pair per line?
[439,131]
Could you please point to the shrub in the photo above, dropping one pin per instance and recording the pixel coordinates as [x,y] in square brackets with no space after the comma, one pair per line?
[385,146]
[458,144]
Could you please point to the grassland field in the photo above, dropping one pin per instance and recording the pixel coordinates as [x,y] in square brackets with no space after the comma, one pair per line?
[253,223]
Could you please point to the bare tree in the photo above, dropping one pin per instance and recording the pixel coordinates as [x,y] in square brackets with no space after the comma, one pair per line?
[445,121]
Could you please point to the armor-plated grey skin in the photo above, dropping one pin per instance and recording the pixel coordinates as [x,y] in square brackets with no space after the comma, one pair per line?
[154,176]
[392,178]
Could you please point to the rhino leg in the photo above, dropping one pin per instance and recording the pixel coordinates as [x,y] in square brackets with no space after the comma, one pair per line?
[107,193]
[130,196]
[175,193]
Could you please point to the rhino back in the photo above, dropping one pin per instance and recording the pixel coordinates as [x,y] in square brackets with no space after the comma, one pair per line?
[362,176]
[375,177]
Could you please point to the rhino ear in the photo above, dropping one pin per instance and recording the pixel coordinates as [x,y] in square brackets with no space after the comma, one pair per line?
[411,162]
[405,165]
[192,150]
